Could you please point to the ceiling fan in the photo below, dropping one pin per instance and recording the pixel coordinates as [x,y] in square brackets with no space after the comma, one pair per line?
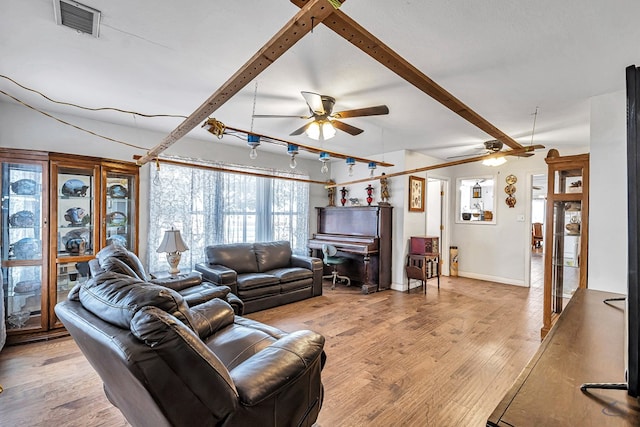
[325,123]
[490,147]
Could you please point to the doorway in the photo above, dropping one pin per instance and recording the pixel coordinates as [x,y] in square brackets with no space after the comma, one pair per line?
[538,215]
[436,217]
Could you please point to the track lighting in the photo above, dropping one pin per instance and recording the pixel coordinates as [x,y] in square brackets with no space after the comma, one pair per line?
[292,149]
[351,161]
[372,168]
[324,158]
[253,141]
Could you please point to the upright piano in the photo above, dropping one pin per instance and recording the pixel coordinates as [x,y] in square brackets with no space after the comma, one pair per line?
[362,234]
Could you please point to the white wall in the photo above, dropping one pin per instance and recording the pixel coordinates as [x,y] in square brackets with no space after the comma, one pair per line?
[608,194]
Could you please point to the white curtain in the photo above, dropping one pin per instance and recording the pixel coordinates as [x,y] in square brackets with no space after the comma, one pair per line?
[211,207]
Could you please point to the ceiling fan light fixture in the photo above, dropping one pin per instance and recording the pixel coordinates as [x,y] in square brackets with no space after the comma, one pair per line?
[320,130]
[494,161]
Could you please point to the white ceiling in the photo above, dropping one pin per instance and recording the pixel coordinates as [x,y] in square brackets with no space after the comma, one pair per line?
[501,58]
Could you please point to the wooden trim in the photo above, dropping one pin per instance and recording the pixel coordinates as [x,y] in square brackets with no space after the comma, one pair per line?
[282,41]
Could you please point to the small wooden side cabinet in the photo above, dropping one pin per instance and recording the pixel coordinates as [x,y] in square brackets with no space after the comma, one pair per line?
[422,267]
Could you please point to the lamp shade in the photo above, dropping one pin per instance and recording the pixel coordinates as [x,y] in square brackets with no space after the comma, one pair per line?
[172,242]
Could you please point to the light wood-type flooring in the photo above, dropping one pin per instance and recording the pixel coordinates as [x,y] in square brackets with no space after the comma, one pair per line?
[394,359]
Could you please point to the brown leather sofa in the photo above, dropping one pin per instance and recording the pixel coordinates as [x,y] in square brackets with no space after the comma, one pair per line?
[164,363]
[191,287]
[263,275]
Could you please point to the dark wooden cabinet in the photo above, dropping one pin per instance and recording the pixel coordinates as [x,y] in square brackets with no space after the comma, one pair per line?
[424,245]
[58,211]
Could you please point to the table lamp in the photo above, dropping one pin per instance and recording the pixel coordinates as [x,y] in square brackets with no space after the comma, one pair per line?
[173,245]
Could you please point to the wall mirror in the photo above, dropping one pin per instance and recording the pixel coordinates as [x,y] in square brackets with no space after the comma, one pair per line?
[476,201]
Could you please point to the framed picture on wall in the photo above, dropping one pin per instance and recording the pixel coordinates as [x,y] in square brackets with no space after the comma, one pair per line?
[416,194]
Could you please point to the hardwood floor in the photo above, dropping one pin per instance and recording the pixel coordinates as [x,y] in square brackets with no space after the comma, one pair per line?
[444,359]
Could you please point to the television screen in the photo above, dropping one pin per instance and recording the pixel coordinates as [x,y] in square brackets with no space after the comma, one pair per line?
[633,173]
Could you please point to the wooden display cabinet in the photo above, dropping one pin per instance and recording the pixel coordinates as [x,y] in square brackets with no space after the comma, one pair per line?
[567,232]
[81,204]
[23,240]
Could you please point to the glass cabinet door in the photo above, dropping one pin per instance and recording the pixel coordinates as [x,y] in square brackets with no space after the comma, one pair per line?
[566,259]
[76,236]
[24,228]
[119,220]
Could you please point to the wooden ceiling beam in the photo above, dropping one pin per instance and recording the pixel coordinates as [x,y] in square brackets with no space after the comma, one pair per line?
[282,41]
[355,34]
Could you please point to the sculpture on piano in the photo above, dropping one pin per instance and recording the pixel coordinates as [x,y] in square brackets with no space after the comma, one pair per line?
[343,192]
[369,194]
[331,192]
[384,190]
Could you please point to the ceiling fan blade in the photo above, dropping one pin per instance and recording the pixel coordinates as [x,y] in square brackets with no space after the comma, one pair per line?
[314,101]
[277,116]
[300,130]
[360,112]
[352,130]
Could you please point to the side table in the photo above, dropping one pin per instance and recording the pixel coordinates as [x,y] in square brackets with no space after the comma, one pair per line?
[422,267]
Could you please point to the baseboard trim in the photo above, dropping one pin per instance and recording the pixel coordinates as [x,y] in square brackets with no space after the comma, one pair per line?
[488,278]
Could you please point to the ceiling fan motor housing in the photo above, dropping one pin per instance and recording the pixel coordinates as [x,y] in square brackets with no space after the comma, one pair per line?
[493,145]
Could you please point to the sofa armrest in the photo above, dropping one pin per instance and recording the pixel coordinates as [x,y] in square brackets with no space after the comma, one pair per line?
[219,274]
[236,303]
[179,282]
[273,369]
[315,265]
[211,316]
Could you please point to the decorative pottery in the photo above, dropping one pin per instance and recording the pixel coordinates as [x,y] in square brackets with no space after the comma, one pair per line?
[27,248]
[116,219]
[26,286]
[24,187]
[75,216]
[466,216]
[573,227]
[79,233]
[22,219]
[117,239]
[76,246]
[74,188]
[118,191]
[18,319]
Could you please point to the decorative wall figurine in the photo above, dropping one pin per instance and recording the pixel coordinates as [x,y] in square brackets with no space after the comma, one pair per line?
[384,190]
[343,193]
[331,193]
[510,189]
[369,194]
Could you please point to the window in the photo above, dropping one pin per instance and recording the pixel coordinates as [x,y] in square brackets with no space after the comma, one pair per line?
[476,203]
[211,207]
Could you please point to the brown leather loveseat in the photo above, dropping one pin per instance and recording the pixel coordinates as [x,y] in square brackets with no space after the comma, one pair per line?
[263,275]
[164,363]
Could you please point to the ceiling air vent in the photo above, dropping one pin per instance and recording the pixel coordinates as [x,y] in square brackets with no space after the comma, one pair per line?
[77,16]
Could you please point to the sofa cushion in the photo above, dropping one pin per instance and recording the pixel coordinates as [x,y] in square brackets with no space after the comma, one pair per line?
[115,298]
[271,255]
[292,273]
[258,293]
[236,256]
[256,280]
